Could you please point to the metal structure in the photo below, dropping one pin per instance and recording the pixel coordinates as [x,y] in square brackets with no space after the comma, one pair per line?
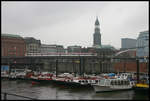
[15,95]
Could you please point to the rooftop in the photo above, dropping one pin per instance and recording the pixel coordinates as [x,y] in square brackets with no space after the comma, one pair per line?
[104,46]
[145,31]
[11,35]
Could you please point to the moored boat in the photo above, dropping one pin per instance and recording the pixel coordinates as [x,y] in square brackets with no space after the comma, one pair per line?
[75,81]
[4,75]
[142,86]
[44,77]
[112,84]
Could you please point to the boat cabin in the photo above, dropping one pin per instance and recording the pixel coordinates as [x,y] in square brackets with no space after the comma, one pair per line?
[111,82]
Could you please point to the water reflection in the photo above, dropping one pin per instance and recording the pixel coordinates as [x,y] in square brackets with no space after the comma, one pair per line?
[51,91]
[115,95]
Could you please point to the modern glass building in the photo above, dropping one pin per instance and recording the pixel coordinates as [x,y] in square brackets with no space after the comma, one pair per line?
[127,43]
[143,44]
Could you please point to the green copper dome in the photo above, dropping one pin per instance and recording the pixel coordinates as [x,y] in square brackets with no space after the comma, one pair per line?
[108,47]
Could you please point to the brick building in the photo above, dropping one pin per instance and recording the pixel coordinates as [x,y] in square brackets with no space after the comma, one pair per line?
[130,67]
[12,45]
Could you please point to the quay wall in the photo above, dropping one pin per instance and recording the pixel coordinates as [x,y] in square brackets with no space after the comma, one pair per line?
[75,67]
[72,64]
[130,67]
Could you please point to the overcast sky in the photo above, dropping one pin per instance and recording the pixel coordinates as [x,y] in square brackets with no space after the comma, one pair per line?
[72,23]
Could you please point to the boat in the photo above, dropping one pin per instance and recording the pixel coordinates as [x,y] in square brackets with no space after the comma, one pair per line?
[112,84]
[19,74]
[43,77]
[75,81]
[142,86]
[4,75]
[12,76]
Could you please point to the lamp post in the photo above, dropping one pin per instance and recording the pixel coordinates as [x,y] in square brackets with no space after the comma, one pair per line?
[137,63]
[125,66]
[57,63]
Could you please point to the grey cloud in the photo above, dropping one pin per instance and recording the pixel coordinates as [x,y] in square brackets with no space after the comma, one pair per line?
[44,17]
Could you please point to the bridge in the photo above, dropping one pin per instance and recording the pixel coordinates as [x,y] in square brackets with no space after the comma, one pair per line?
[124,51]
[61,54]
[66,62]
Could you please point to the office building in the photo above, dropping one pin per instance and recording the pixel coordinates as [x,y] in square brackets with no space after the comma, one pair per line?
[12,45]
[128,43]
[143,44]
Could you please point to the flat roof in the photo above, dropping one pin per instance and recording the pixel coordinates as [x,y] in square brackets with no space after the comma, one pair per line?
[11,35]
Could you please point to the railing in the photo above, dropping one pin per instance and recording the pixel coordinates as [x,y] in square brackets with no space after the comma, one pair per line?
[5,96]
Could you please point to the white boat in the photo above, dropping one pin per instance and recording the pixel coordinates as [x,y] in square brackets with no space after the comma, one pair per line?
[4,74]
[110,84]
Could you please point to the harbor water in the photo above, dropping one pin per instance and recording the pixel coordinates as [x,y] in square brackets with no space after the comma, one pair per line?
[54,92]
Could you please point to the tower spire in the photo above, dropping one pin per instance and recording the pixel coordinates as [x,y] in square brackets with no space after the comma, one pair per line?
[96,22]
[97,35]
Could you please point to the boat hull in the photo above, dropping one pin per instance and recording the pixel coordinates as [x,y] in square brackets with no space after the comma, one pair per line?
[41,81]
[143,88]
[71,84]
[19,79]
[99,89]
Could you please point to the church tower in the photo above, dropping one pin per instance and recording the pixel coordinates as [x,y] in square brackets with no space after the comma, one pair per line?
[97,35]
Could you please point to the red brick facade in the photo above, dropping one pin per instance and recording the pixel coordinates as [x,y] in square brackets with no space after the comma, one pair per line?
[130,67]
[12,46]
